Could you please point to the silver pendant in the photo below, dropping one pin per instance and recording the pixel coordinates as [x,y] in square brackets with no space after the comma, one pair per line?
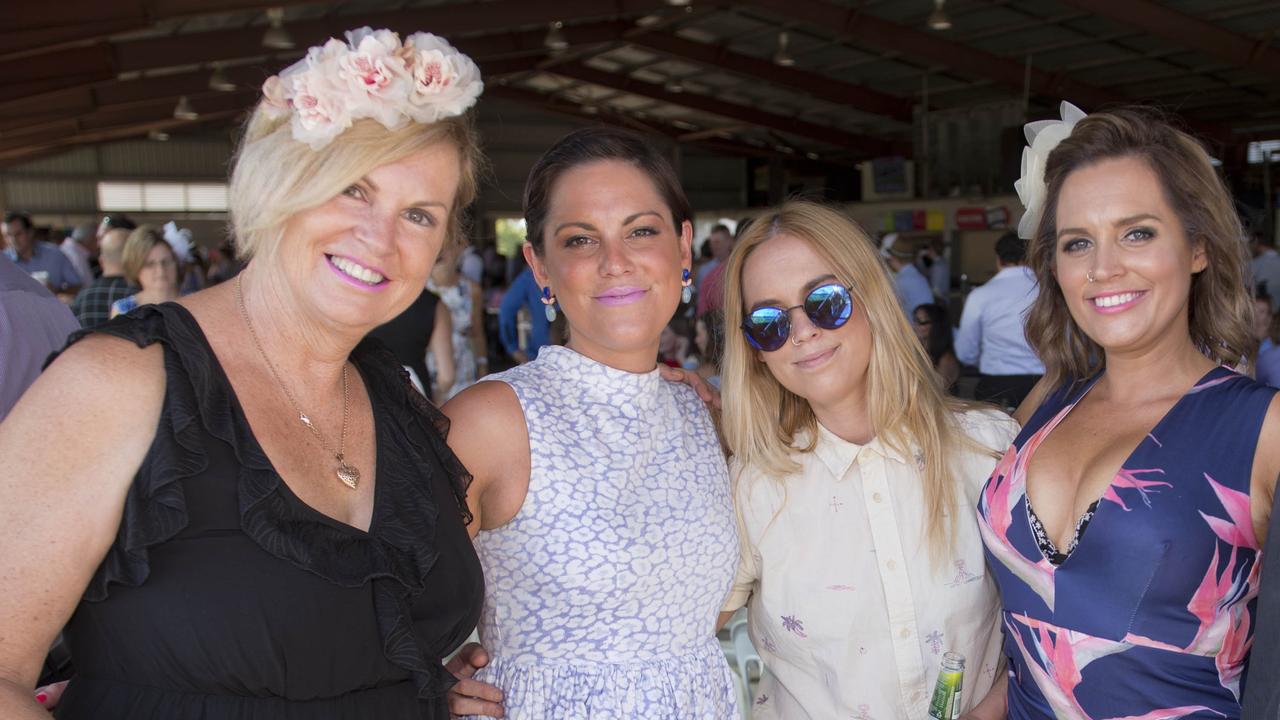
[349,475]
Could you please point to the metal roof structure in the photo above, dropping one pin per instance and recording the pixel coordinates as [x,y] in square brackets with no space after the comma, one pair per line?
[832,81]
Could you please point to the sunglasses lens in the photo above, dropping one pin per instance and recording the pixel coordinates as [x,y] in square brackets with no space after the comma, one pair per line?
[767,328]
[829,306]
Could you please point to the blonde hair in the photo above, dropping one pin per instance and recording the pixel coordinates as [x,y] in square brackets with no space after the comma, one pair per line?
[136,248]
[1220,304]
[907,404]
[276,176]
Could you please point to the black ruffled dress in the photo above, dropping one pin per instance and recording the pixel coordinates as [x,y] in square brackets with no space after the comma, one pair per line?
[225,596]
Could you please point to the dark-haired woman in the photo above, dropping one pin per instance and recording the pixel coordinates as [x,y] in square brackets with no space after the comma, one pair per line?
[1124,525]
[933,327]
[606,527]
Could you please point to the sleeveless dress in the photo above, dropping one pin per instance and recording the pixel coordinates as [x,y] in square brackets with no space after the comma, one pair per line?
[602,592]
[458,299]
[1151,615]
[224,596]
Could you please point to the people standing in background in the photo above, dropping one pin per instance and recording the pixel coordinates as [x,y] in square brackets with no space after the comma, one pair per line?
[993,333]
[423,330]
[471,265]
[933,263]
[523,294]
[33,323]
[909,284]
[1267,366]
[710,286]
[42,260]
[466,310]
[150,264]
[81,248]
[1264,267]
[92,306]
[933,327]
[708,338]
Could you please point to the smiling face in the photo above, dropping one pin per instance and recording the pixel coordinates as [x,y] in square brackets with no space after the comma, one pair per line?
[613,260]
[825,367]
[1116,227]
[363,256]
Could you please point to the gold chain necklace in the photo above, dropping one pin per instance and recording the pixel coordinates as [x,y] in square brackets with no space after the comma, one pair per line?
[347,472]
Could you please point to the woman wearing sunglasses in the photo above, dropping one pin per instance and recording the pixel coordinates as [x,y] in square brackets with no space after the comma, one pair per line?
[855,475]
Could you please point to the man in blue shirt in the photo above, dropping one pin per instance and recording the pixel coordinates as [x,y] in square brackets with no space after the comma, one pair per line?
[43,261]
[908,282]
[524,292]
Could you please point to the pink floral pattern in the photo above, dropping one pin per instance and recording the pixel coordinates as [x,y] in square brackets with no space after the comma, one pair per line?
[1151,616]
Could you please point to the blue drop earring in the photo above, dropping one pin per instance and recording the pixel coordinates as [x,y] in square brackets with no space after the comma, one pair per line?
[548,305]
[686,291]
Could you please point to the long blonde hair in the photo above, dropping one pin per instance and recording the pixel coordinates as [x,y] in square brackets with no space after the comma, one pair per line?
[909,409]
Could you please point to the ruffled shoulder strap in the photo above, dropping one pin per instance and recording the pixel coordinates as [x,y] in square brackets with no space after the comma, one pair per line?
[155,508]
[429,426]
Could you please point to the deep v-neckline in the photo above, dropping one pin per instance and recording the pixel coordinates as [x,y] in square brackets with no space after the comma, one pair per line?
[240,416]
[1097,503]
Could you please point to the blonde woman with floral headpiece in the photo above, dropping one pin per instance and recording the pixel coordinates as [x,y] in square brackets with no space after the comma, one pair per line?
[1124,525]
[855,477]
[278,530]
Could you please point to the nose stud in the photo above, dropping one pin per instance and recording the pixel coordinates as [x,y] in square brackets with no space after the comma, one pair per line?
[1089,276]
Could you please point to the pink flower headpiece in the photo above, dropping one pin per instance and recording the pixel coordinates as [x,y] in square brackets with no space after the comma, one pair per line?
[372,75]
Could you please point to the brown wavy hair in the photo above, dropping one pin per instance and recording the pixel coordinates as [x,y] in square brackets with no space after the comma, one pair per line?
[1219,304]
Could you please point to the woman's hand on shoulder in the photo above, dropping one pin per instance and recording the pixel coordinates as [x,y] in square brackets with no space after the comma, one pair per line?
[709,395]
[487,432]
[71,446]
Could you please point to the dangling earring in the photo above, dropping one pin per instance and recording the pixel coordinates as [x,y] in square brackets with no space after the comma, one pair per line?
[548,305]
[686,291]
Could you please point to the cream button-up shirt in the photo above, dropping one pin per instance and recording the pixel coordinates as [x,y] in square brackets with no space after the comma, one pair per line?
[845,607]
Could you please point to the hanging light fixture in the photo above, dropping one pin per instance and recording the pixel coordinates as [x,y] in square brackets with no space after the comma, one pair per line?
[938,19]
[158,135]
[555,40]
[781,56]
[276,37]
[184,110]
[679,3]
[219,80]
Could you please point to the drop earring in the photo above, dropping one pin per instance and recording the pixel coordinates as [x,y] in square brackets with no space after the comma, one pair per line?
[686,290]
[548,305]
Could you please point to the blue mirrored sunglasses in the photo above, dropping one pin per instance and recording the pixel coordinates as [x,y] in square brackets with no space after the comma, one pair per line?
[828,306]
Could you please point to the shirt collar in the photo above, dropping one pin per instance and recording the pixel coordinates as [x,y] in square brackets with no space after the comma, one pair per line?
[838,454]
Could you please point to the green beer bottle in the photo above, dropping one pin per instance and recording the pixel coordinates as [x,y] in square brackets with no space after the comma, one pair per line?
[947,693]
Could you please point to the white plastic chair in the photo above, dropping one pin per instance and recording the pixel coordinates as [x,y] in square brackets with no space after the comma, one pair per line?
[745,656]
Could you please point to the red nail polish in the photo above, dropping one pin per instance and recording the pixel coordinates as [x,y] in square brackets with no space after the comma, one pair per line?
[41,697]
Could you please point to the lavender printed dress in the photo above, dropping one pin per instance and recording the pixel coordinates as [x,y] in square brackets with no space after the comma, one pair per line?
[601,594]
[1151,615]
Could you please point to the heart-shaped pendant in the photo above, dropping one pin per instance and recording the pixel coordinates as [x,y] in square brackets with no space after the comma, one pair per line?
[349,475]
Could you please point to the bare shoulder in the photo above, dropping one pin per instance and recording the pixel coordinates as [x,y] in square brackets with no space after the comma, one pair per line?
[1268,452]
[487,432]
[101,370]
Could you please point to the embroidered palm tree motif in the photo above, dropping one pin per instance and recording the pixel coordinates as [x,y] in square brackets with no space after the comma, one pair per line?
[791,624]
[934,641]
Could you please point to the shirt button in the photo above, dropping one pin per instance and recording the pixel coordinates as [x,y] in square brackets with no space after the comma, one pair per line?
[906,632]
[877,497]
[891,565]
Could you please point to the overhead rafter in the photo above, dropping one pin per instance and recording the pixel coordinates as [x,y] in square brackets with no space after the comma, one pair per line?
[35,26]
[867,29]
[709,141]
[819,86]
[851,142]
[1189,32]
